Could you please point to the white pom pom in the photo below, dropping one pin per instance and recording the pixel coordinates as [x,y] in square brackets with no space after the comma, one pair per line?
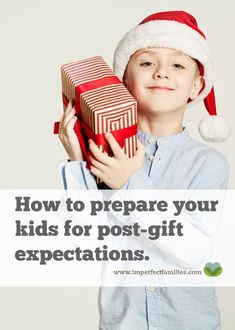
[214,129]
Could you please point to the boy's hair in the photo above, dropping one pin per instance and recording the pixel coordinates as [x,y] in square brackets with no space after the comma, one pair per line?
[177,30]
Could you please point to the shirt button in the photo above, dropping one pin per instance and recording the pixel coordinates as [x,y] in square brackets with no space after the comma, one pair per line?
[151,140]
[151,289]
[151,158]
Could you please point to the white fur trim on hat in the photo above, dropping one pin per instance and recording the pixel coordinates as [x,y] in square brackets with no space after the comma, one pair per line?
[214,129]
[165,34]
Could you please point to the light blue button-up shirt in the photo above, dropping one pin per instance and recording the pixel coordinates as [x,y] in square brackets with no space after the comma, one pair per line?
[171,162]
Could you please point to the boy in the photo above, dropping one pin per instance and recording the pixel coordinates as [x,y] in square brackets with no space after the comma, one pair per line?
[164,62]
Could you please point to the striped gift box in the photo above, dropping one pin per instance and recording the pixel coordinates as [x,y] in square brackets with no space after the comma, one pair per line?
[102,103]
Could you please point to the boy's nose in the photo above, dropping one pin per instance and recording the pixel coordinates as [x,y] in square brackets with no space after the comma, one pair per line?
[161,72]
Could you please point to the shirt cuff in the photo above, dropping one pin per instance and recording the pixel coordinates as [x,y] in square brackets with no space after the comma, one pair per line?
[75,175]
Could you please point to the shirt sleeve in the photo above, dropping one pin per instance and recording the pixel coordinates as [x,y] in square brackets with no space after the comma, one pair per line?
[75,175]
[214,173]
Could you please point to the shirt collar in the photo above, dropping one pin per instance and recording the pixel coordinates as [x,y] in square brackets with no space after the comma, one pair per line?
[169,140]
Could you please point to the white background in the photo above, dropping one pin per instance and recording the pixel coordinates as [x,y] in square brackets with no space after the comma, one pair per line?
[37,37]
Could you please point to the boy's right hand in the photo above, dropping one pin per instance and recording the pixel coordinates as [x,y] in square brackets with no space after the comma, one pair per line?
[67,135]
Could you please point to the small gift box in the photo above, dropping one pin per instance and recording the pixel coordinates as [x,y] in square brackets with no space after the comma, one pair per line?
[102,104]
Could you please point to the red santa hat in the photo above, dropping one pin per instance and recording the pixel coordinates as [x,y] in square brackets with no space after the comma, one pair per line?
[177,30]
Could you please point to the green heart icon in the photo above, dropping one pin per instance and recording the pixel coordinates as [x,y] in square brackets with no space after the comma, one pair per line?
[213,269]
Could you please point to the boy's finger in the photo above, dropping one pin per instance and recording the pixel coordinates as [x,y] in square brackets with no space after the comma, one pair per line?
[69,106]
[98,154]
[140,152]
[70,127]
[97,164]
[96,172]
[115,147]
[67,118]
[61,124]
[68,111]
[140,148]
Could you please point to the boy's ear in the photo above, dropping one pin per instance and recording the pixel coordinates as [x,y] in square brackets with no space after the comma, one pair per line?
[124,80]
[197,87]
[125,83]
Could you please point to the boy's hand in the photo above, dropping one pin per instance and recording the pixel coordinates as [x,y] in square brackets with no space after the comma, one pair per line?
[67,135]
[115,171]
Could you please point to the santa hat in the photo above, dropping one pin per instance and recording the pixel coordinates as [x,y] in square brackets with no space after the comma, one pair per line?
[177,30]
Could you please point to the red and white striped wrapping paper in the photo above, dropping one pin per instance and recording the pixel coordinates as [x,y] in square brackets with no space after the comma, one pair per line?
[104,107]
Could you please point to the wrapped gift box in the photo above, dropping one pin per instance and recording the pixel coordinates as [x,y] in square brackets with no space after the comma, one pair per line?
[102,104]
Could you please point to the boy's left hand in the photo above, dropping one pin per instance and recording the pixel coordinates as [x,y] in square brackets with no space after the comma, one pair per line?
[115,171]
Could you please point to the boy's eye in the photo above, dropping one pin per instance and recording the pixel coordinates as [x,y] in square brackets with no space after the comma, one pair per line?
[178,66]
[147,63]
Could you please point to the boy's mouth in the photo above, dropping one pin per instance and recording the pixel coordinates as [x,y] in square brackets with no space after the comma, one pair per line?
[160,88]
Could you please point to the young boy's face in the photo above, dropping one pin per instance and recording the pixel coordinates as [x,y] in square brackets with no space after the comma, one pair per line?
[162,79]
